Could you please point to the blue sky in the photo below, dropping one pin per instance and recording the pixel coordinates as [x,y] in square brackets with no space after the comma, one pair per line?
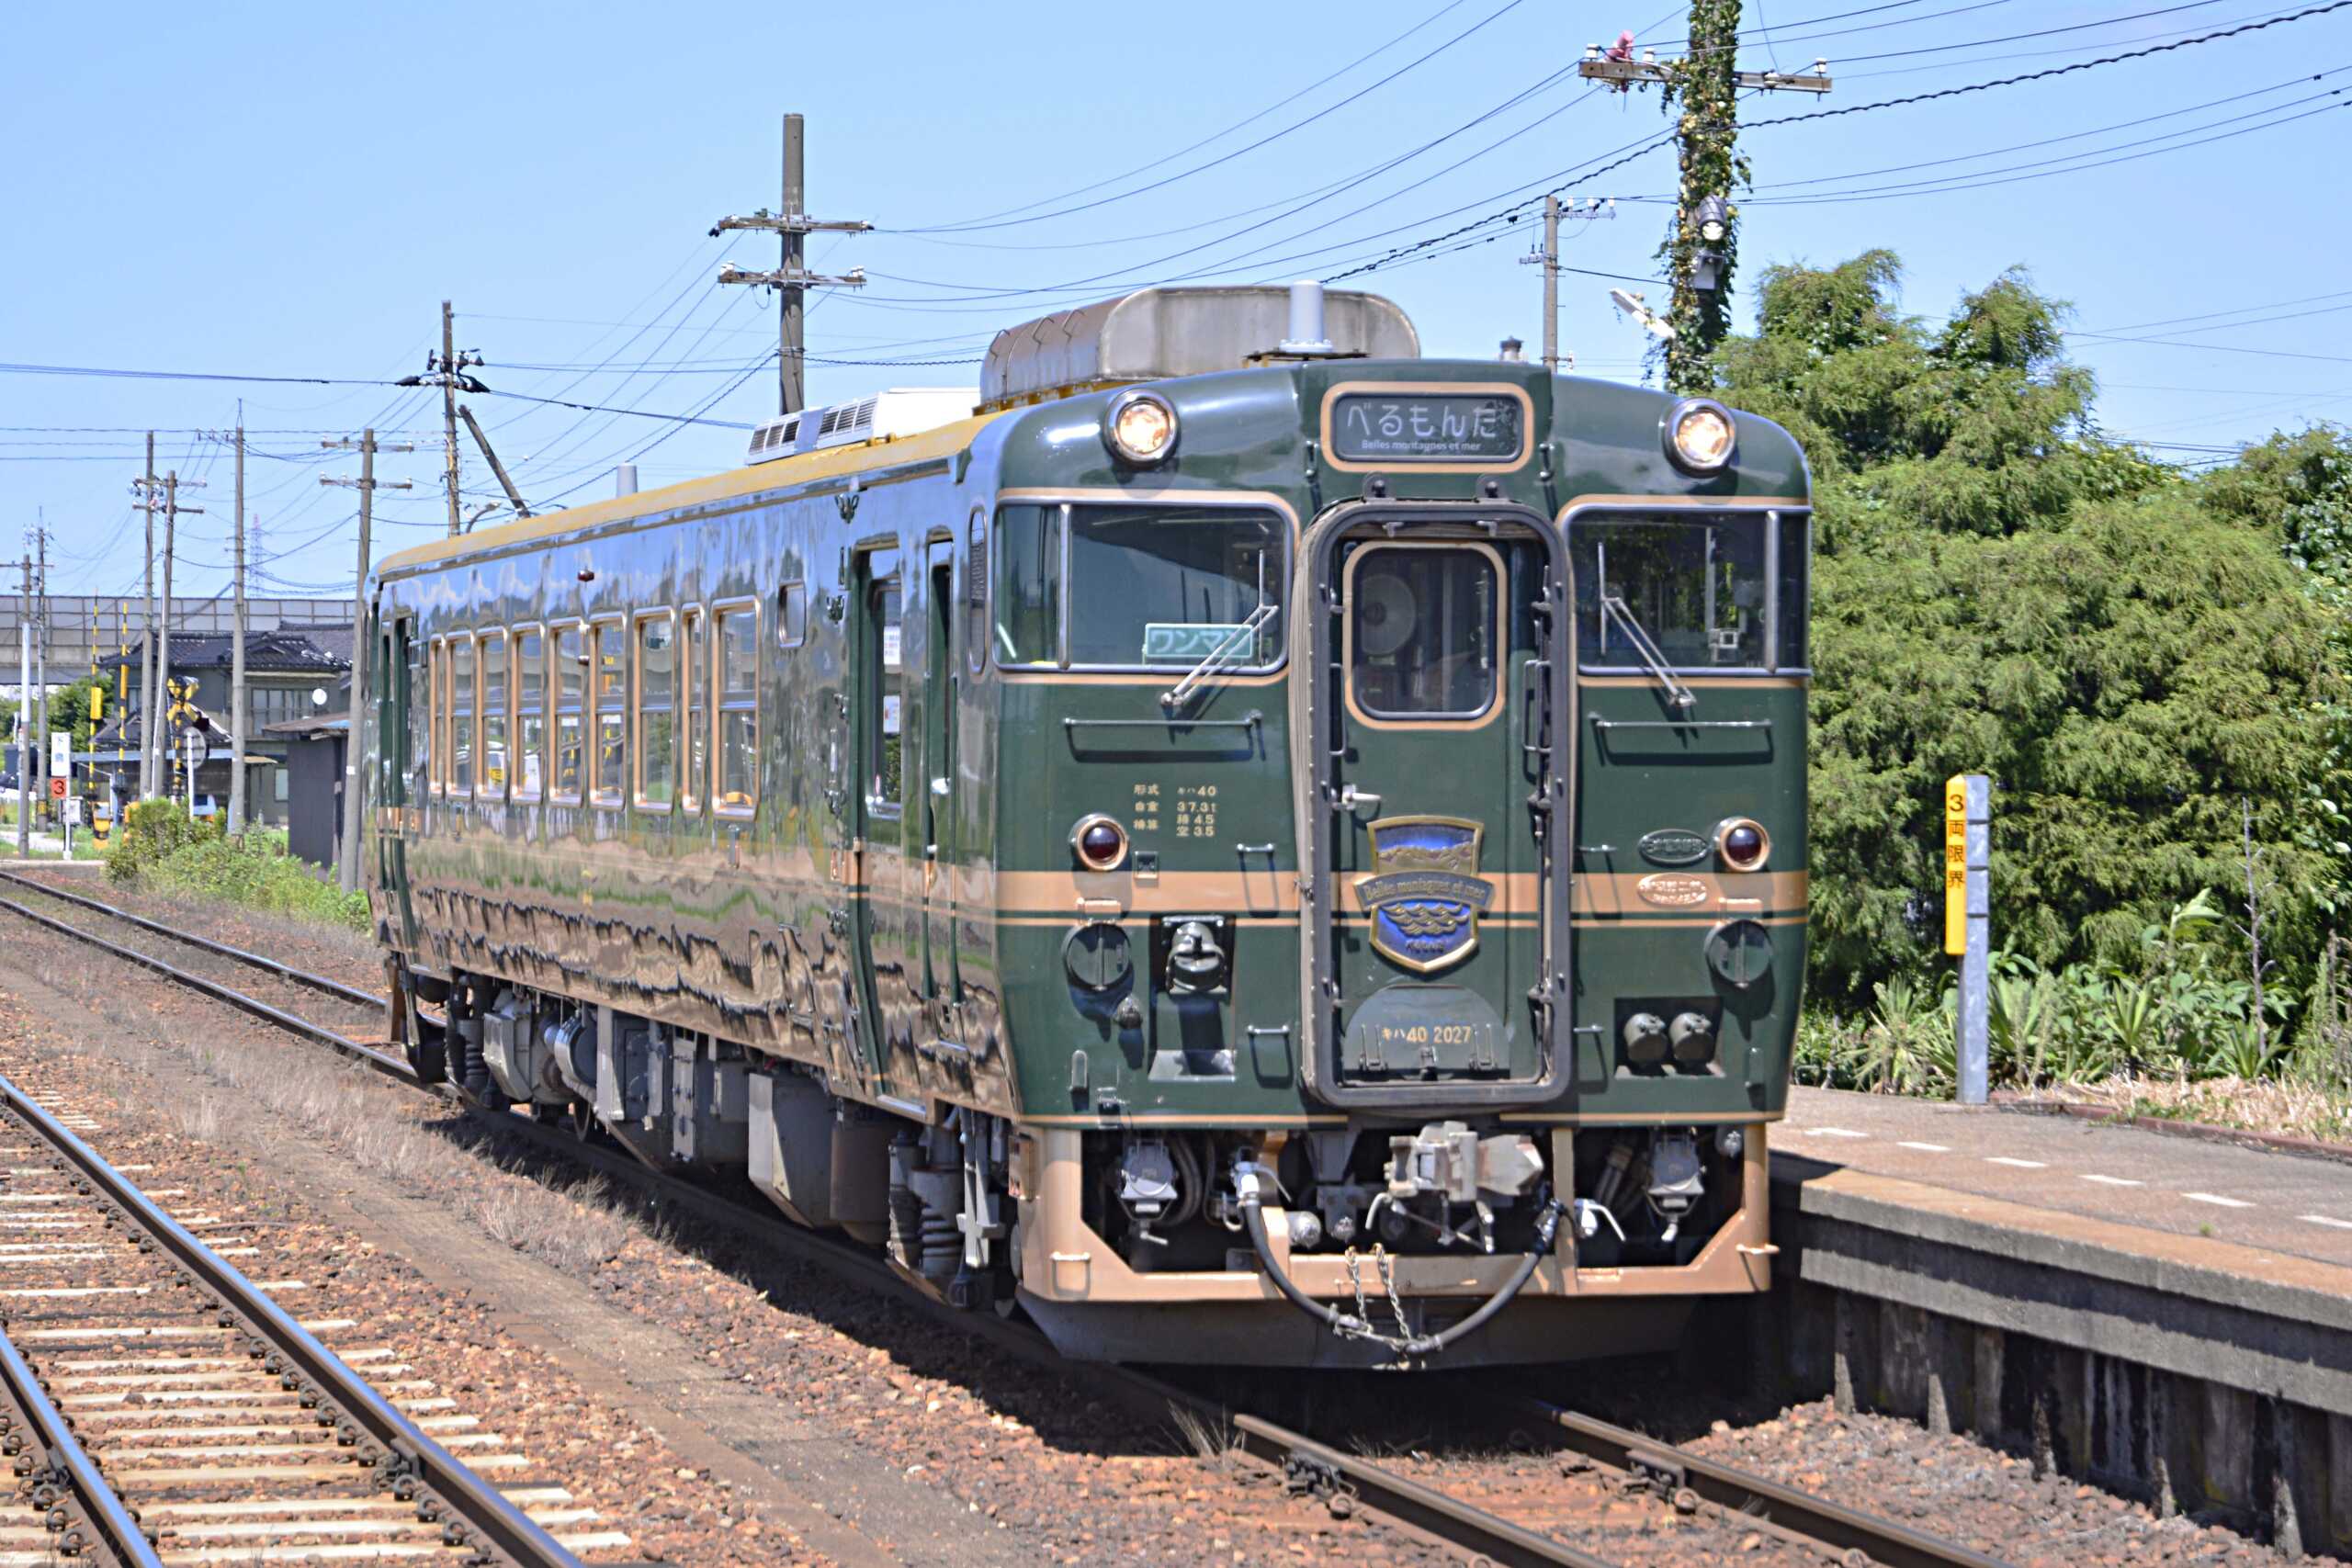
[290,191]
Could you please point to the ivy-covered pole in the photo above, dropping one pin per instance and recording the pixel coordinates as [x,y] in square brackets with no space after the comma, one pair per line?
[1703,250]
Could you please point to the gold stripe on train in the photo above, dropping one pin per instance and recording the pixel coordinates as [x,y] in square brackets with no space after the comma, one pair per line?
[1722,895]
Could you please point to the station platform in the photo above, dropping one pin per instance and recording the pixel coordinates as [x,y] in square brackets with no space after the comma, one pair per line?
[2164,1314]
[2273,1201]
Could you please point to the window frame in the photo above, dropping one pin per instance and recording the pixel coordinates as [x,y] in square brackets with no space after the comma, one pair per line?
[1278,578]
[516,750]
[437,715]
[1575,520]
[638,710]
[593,709]
[697,688]
[720,707]
[483,790]
[578,794]
[464,791]
[1498,632]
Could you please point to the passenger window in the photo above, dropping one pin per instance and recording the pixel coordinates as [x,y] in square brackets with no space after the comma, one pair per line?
[610,680]
[656,711]
[739,710]
[530,714]
[1421,630]
[792,614]
[425,719]
[462,716]
[695,668]
[571,687]
[493,715]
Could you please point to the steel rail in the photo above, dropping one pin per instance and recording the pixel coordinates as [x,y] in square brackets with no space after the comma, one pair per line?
[405,1454]
[72,1472]
[1743,1492]
[1418,1508]
[382,1061]
[352,994]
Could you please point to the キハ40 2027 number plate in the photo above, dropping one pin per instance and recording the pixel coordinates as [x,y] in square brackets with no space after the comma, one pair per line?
[1413,1030]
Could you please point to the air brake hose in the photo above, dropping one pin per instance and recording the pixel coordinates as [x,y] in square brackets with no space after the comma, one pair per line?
[1247,1179]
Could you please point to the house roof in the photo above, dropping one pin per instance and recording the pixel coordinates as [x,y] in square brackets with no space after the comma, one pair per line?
[282,650]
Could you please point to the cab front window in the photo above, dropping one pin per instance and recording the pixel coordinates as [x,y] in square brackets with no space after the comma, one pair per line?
[1696,586]
[1160,588]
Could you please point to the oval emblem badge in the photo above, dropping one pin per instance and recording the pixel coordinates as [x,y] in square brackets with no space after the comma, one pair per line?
[1674,846]
[1672,891]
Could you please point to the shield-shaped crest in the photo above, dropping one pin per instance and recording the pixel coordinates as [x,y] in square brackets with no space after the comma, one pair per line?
[1425,894]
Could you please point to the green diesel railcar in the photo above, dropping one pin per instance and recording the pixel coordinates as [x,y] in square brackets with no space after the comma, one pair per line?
[1252,844]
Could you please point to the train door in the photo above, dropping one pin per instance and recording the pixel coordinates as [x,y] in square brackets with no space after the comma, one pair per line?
[399,682]
[889,977]
[941,982]
[1439,708]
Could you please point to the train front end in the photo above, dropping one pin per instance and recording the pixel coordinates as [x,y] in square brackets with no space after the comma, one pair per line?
[1400,887]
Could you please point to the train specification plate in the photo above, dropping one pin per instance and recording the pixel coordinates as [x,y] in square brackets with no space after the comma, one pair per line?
[1428,427]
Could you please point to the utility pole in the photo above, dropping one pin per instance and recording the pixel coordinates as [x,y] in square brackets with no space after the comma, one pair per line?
[792,279]
[237,650]
[39,707]
[147,688]
[1548,258]
[172,510]
[366,484]
[24,717]
[1702,252]
[447,371]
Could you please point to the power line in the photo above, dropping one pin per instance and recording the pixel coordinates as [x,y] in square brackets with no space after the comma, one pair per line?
[2055,70]
[1325,112]
[1237,125]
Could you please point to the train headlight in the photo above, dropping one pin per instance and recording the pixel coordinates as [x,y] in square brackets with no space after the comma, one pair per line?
[1742,844]
[1140,427]
[1700,436]
[1099,843]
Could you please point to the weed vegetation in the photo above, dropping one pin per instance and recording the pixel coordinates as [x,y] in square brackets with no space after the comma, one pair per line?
[163,849]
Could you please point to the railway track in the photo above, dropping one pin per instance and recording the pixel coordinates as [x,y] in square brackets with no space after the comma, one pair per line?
[166,1409]
[1681,1480]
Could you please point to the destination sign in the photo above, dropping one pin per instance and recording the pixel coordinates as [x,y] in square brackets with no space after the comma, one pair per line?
[1428,427]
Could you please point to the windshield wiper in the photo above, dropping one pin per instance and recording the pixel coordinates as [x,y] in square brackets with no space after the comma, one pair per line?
[1613,607]
[1244,635]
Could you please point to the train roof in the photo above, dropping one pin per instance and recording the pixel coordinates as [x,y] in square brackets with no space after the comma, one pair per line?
[805,468]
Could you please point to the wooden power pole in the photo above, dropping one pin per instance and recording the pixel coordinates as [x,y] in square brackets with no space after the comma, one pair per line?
[147,687]
[366,484]
[792,279]
[238,717]
[1702,252]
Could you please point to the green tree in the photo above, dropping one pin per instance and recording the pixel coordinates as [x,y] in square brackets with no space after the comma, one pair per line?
[1998,587]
